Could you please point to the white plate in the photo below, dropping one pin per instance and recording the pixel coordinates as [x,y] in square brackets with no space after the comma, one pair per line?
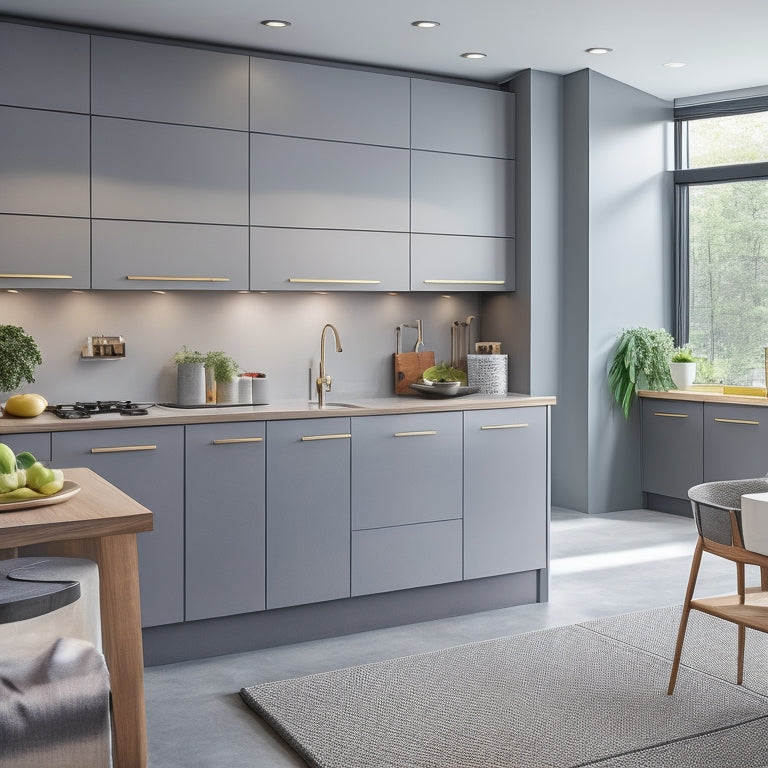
[67,492]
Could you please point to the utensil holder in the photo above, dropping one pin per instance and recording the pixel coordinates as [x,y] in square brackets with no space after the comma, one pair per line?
[488,373]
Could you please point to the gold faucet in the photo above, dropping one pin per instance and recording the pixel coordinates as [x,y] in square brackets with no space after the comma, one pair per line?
[323,382]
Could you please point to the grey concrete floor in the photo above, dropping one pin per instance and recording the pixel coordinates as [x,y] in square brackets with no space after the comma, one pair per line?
[601,565]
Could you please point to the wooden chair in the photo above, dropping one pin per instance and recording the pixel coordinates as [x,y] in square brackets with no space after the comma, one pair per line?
[718,514]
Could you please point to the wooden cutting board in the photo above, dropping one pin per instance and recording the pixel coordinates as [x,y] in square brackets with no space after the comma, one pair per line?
[408,368]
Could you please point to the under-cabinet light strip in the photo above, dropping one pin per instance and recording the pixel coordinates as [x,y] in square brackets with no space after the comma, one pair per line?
[350,281]
[19,276]
[182,279]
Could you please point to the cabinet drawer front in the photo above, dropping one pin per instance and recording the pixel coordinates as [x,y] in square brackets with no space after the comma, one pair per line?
[386,559]
[37,443]
[50,146]
[328,184]
[417,454]
[161,172]
[459,263]
[672,446]
[331,260]
[735,441]
[143,256]
[296,99]
[169,83]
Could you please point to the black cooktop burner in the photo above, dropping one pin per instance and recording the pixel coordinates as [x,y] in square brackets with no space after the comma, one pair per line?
[86,410]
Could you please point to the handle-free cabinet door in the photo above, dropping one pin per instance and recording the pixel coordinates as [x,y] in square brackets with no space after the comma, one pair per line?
[44,163]
[45,252]
[169,83]
[505,491]
[44,68]
[147,464]
[308,512]
[160,172]
[224,534]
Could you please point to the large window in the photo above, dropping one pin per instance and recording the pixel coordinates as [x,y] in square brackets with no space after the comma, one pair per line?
[722,194]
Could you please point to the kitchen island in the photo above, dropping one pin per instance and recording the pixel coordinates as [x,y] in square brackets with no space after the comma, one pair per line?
[282,523]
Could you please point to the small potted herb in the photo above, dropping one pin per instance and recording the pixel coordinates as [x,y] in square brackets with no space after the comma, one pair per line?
[19,357]
[641,361]
[682,367]
[225,370]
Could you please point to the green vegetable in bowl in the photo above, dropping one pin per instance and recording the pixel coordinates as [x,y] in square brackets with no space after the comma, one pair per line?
[9,475]
[444,372]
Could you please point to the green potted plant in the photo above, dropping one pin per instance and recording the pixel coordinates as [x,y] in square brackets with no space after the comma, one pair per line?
[19,357]
[682,367]
[190,376]
[225,370]
[641,361]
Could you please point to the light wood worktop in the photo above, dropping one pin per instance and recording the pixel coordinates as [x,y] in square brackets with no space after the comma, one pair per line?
[702,396]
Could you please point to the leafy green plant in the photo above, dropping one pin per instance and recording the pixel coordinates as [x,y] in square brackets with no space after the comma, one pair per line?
[224,367]
[185,355]
[683,354]
[641,361]
[19,356]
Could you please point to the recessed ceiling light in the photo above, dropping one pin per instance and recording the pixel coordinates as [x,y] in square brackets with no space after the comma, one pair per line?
[276,23]
[599,51]
[473,55]
[425,24]
[674,64]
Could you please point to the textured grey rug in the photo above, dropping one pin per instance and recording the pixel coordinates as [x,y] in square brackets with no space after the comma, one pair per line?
[591,694]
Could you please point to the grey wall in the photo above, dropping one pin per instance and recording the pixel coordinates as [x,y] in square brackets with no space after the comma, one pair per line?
[276,333]
[618,273]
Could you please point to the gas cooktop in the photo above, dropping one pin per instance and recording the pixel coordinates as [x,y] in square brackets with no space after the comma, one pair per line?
[83,410]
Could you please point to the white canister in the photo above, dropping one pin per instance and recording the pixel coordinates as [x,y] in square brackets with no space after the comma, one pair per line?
[190,384]
[488,372]
[260,390]
[244,393]
[226,391]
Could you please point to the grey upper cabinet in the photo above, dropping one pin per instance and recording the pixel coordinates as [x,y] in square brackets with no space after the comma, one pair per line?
[463,119]
[505,491]
[296,99]
[142,255]
[169,83]
[462,195]
[328,184]
[672,446]
[45,252]
[44,68]
[328,259]
[462,263]
[160,172]
[225,516]
[308,528]
[419,452]
[44,163]
[147,464]
[735,442]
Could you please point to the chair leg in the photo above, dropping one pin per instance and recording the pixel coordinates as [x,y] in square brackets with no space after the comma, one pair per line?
[764,578]
[740,656]
[696,562]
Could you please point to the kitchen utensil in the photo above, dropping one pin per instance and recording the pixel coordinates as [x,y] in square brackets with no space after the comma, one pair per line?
[460,343]
[410,365]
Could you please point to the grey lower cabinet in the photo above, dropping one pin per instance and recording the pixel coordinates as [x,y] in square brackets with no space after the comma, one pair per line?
[37,443]
[147,464]
[672,446]
[45,252]
[225,519]
[308,511]
[735,441]
[406,501]
[505,491]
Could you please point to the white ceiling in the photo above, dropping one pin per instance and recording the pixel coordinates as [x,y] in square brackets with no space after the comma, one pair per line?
[722,43]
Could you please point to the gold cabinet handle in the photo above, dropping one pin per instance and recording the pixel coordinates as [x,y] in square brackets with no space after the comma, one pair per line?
[464,282]
[183,279]
[122,448]
[230,440]
[672,415]
[21,276]
[340,281]
[504,426]
[738,421]
[342,436]
[417,433]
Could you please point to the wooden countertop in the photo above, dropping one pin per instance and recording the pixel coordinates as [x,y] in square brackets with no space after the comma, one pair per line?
[99,509]
[703,396]
[289,409]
